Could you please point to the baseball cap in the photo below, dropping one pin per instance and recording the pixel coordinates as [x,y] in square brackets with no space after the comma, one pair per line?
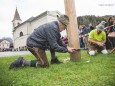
[64,19]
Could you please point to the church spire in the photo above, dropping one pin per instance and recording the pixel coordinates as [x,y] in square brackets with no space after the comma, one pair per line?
[16,20]
[16,15]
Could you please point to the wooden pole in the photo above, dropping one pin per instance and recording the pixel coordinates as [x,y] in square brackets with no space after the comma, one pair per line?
[72,29]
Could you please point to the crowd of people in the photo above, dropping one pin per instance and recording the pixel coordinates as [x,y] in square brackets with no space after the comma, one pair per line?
[85,34]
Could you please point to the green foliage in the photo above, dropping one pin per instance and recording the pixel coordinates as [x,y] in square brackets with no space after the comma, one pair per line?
[91,19]
[96,70]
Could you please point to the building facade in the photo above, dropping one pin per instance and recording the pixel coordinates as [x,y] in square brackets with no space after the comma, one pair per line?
[21,30]
[6,45]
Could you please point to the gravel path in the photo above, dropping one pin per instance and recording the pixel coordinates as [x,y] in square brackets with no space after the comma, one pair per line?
[16,53]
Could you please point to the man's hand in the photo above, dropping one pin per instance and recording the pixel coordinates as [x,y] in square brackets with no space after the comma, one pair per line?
[86,35]
[71,50]
[100,43]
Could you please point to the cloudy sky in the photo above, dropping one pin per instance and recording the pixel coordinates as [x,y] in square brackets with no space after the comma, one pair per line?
[28,8]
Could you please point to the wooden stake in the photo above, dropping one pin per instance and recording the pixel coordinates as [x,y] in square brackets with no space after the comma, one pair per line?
[72,29]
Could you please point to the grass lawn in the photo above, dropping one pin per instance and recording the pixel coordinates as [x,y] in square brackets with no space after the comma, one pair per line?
[96,70]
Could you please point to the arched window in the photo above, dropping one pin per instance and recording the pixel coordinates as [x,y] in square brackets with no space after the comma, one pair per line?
[21,34]
[18,23]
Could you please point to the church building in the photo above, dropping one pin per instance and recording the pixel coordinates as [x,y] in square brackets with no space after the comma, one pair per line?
[21,30]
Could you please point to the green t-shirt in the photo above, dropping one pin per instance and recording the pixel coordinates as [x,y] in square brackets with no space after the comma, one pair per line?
[97,37]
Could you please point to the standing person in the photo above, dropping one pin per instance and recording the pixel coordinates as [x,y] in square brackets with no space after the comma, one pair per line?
[97,39]
[85,36]
[44,37]
[80,32]
[109,29]
[90,28]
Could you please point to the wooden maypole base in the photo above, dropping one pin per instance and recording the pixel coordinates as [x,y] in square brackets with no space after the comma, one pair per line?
[75,56]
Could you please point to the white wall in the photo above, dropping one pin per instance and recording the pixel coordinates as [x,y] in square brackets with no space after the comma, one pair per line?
[37,23]
[16,22]
[20,41]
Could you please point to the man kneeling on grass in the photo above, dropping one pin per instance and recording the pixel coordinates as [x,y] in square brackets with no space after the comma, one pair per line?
[97,39]
[46,36]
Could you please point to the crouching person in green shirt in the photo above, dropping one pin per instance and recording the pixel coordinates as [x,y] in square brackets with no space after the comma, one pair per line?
[97,39]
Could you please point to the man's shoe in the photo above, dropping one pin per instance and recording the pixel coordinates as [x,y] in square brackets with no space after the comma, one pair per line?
[16,63]
[55,61]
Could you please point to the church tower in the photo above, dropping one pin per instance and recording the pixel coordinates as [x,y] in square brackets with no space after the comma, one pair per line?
[16,20]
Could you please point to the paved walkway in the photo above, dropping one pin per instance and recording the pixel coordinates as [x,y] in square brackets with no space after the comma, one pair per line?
[16,53]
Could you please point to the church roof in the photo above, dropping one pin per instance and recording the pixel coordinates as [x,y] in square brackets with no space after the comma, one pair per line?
[30,19]
[7,39]
[35,18]
[16,15]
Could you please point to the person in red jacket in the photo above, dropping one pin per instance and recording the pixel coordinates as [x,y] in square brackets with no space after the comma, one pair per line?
[108,29]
